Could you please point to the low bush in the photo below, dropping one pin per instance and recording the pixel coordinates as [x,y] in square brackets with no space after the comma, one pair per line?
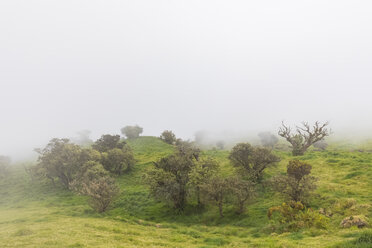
[293,216]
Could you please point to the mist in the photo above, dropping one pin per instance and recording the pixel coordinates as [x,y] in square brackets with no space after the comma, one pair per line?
[231,68]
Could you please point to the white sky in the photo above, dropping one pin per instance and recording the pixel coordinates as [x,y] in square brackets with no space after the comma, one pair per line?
[180,65]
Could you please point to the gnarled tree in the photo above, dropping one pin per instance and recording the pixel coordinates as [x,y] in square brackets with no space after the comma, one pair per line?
[304,136]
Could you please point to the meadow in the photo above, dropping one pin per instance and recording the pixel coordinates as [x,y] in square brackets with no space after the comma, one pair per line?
[35,214]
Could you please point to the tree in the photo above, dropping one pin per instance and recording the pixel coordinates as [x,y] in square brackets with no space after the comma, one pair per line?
[132,132]
[321,145]
[200,136]
[305,136]
[298,183]
[60,159]
[200,174]
[220,144]
[215,190]
[118,160]
[242,190]
[108,142]
[268,140]
[4,164]
[169,179]
[253,160]
[187,149]
[83,138]
[95,182]
[168,137]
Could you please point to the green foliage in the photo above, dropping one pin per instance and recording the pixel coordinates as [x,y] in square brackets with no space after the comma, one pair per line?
[60,159]
[136,220]
[108,142]
[187,149]
[253,160]
[200,174]
[363,241]
[293,216]
[169,178]
[297,184]
[215,190]
[95,183]
[132,132]
[242,190]
[168,137]
[118,161]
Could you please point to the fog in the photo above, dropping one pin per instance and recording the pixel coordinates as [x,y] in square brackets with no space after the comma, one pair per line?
[228,67]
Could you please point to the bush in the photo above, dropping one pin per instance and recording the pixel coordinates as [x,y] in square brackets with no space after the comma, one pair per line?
[252,160]
[101,191]
[168,137]
[215,190]
[95,182]
[297,184]
[200,174]
[169,179]
[242,190]
[118,161]
[60,159]
[268,140]
[108,142]
[293,216]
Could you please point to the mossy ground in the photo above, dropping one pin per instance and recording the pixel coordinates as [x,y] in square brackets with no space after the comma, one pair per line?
[35,214]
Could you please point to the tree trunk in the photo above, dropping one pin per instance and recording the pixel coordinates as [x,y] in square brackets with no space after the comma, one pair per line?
[220,208]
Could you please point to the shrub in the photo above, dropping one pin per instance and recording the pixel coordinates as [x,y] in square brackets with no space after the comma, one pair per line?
[168,137]
[94,181]
[108,142]
[293,216]
[118,161]
[252,160]
[170,177]
[242,190]
[297,184]
[60,159]
[200,174]
[187,149]
[215,190]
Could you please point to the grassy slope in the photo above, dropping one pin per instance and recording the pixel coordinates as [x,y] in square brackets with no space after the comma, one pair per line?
[34,214]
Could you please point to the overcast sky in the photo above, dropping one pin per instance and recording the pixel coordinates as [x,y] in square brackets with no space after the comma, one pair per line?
[181,65]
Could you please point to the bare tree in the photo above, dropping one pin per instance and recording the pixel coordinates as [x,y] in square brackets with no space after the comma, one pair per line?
[305,136]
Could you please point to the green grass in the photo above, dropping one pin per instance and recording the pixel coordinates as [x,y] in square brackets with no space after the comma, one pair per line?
[35,214]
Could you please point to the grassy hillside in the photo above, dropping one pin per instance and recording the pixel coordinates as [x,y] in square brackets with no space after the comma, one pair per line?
[35,214]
